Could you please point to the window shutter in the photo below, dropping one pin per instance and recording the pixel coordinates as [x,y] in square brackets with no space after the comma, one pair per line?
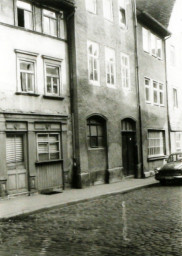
[14,149]
[19,148]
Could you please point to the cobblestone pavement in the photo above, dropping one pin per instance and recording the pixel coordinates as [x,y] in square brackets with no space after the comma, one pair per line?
[145,222]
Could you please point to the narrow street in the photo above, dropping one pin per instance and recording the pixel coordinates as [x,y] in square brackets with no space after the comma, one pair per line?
[145,222]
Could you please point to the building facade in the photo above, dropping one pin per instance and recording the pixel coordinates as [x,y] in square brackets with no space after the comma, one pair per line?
[35,122]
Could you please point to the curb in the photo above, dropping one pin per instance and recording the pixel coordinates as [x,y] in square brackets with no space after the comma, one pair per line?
[61,205]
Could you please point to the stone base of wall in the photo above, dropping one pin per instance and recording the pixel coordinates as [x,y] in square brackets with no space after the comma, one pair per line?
[115,174]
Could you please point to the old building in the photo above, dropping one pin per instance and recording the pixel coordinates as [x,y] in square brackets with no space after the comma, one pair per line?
[35,126]
[105,93]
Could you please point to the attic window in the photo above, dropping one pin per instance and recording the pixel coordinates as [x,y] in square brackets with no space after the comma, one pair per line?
[24,15]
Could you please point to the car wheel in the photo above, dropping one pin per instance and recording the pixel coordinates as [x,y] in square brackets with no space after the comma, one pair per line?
[163,182]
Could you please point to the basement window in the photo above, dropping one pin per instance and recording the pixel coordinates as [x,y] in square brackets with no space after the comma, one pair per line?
[24,15]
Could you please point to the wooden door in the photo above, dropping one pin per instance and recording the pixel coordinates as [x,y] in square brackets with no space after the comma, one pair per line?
[15,162]
[129,153]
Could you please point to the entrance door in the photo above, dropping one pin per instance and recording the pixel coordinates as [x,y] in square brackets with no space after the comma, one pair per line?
[129,154]
[15,162]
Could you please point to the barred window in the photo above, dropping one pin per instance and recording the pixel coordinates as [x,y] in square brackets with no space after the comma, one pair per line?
[156,143]
[96,132]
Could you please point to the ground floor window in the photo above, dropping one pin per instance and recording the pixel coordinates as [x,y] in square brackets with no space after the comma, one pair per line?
[156,143]
[48,146]
[178,141]
[96,132]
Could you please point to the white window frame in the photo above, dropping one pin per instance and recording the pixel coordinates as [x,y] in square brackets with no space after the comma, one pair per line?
[110,4]
[148,87]
[125,69]
[26,57]
[50,18]
[111,65]
[156,142]
[175,98]
[48,143]
[161,92]
[94,59]
[122,6]
[146,39]
[91,6]
[24,6]
[57,63]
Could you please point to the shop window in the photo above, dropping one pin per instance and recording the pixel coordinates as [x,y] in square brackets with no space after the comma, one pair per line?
[24,15]
[156,143]
[110,67]
[93,62]
[48,146]
[96,132]
[125,71]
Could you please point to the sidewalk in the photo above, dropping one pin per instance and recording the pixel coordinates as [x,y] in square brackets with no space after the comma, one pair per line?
[29,204]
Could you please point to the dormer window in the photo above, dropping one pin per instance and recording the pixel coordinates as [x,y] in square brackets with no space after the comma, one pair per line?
[24,15]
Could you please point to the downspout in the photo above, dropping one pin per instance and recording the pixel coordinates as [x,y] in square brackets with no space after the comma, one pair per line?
[167,98]
[138,86]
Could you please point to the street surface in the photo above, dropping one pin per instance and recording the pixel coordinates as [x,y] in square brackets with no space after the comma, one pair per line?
[145,222]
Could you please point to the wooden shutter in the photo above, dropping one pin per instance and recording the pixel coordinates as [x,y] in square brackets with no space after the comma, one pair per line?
[14,148]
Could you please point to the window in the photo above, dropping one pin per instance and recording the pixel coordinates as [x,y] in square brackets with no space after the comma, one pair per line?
[110,66]
[125,71]
[146,46]
[172,55]
[122,13]
[91,6]
[96,132]
[14,149]
[147,90]
[151,43]
[48,146]
[178,141]
[108,9]
[161,94]
[155,93]
[26,76]
[24,15]
[156,143]
[52,79]
[93,62]
[49,22]
[175,98]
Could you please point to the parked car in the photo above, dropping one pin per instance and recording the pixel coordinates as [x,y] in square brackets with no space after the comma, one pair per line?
[171,171]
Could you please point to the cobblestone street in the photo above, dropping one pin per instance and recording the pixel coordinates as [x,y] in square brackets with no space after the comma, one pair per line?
[145,222]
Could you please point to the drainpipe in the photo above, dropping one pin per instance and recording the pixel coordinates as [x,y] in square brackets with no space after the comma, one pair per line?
[167,95]
[138,85]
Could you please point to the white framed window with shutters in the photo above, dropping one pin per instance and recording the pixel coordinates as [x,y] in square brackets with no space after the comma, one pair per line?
[91,6]
[48,146]
[93,62]
[156,143]
[110,67]
[108,9]
[14,149]
[125,71]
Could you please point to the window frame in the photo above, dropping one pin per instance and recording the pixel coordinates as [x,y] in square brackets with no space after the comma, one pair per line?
[91,10]
[57,63]
[146,34]
[32,14]
[111,18]
[48,143]
[122,6]
[50,18]
[94,59]
[162,143]
[26,57]
[108,52]
[149,89]
[123,66]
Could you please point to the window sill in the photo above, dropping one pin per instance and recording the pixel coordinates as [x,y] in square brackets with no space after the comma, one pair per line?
[27,94]
[54,97]
[48,161]
[95,149]
[154,158]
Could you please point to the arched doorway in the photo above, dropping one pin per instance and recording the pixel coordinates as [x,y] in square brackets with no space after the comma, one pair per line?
[129,148]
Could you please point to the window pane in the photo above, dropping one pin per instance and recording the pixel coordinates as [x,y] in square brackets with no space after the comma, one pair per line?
[93,142]
[53,27]
[23,81]
[43,148]
[46,24]
[49,13]
[49,90]
[43,157]
[20,14]
[54,156]
[24,5]
[26,66]
[54,147]
[28,19]
[122,18]
[100,141]
[93,130]
[30,81]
